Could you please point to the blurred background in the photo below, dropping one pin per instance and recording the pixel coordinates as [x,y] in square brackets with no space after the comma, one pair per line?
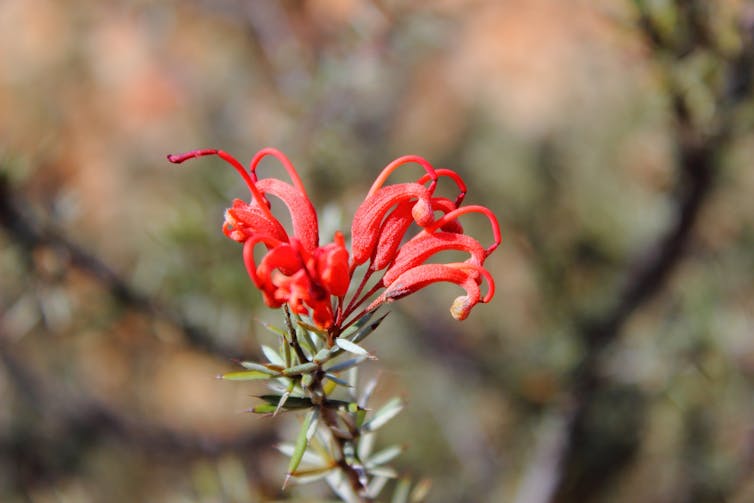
[613,140]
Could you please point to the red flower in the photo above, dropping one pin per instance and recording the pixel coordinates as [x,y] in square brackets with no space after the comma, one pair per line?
[315,280]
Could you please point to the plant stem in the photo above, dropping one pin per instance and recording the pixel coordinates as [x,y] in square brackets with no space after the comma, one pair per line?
[293,341]
[330,417]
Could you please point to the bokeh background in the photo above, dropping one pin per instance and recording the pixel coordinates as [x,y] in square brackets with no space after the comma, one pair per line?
[613,139]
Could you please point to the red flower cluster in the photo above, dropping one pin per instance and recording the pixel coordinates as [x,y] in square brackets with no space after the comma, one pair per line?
[314,280]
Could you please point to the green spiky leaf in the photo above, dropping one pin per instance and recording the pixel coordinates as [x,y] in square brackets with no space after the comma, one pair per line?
[273,356]
[420,491]
[312,329]
[384,456]
[246,375]
[384,414]
[304,368]
[337,380]
[275,330]
[360,323]
[367,329]
[401,491]
[291,402]
[270,369]
[383,471]
[351,347]
[263,408]
[376,485]
[309,458]
[344,365]
[305,339]
[304,434]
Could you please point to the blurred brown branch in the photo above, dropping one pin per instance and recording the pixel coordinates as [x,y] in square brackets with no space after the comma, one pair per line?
[577,459]
[56,421]
[583,472]
[54,426]
[32,234]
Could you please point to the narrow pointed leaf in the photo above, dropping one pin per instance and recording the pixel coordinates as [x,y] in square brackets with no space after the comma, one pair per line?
[291,403]
[337,380]
[285,350]
[275,330]
[353,379]
[384,456]
[282,401]
[269,370]
[367,393]
[309,458]
[385,414]
[344,365]
[313,474]
[401,491]
[273,356]
[304,368]
[322,356]
[420,491]
[305,339]
[366,444]
[360,323]
[349,346]
[341,487]
[311,328]
[299,402]
[263,408]
[246,375]
[301,441]
[383,471]
[375,486]
[308,472]
[367,330]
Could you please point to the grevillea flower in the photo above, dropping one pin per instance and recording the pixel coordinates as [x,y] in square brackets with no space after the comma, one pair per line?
[315,280]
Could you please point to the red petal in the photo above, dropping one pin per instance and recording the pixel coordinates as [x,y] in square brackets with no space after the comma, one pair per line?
[248,259]
[464,275]
[453,215]
[332,266]
[367,221]
[397,223]
[391,234]
[243,220]
[284,258]
[322,314]
[303,216]
[422,246]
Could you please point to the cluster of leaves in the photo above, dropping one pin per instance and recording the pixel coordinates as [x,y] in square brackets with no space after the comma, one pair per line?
[336,439]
